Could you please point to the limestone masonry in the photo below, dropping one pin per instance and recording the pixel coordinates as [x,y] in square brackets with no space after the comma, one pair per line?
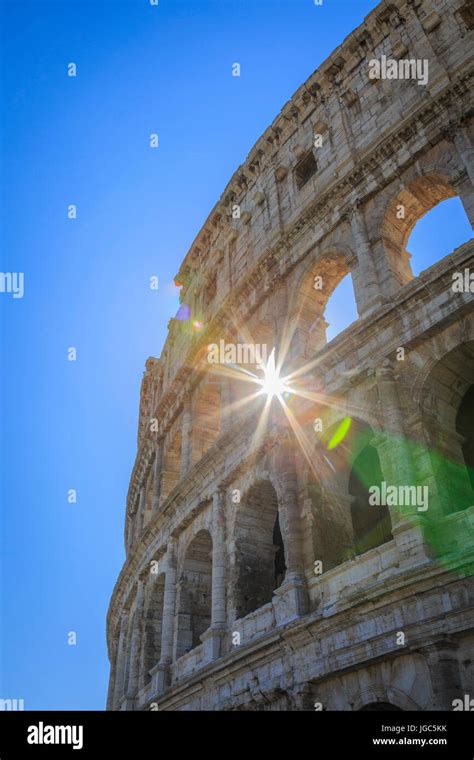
[258,575]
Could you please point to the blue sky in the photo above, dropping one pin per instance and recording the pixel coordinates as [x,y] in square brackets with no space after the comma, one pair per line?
[85,140]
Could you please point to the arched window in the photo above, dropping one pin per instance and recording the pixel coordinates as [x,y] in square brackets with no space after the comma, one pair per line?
[260,552]
[430,203]
[465,428]
[194,599]
[324,305]
[437,234]
[371,523]
[279,562]
[448,414]
[341,308]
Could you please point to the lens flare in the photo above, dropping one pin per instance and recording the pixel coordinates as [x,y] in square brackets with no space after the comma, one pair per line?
[272,383]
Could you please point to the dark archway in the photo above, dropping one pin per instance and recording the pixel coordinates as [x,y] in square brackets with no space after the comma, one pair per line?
[465,428]
[194,600]
[371,523]
[260,551]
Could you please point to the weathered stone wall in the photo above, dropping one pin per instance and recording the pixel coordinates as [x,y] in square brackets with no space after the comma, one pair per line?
[199,617]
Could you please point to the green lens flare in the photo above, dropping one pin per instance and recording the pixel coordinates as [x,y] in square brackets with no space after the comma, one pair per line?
[340,434]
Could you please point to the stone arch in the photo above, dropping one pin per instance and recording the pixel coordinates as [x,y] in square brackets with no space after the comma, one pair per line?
[460,332]
[206,416]
[383,699]
[447,407]
[407,205]
[311,296]
[194,594]
[353,466]
[260,561]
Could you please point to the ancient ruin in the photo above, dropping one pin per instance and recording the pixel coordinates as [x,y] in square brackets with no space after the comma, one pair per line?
[260,572]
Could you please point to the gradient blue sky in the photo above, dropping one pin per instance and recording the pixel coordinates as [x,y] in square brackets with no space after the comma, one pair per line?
[141,69]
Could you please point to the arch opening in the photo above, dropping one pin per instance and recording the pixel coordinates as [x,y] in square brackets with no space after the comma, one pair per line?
[371,523]
[260,551]
[437,233]
[448,414]
[194,594]
[327,292]
[412,203]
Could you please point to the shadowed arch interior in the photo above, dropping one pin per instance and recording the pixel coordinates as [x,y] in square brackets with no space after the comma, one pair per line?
[260,551]
[447,402]
[194,597]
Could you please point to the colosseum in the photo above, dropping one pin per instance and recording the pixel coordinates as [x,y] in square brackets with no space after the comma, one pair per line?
[261,572]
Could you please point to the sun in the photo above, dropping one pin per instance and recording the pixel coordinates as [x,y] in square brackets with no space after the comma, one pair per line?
[272,384]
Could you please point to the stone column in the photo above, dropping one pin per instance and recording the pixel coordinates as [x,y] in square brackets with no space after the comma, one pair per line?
[157,469]
[186,437]
[132,686]
[213,638]
[161,672]
[112,676]
[366,284]
[294,587]
[227,401]
[119,686]
[142,656]
[464,185]
[466,151]
[140,516]
[398,467]
[445,674]
[465,190]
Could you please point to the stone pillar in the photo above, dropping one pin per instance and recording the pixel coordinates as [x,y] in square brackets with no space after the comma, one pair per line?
[213,638]
[227,403]
[112,676]
[186,437]
[141,669]
[157,469]
[445,674]
[135,647]
[119,686]
[140,516]
[466,151]
[398,468]
[294,587]
[161,672]
[465,190]
[366,285]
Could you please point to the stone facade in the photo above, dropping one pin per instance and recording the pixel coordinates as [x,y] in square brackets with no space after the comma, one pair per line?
[256,576]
